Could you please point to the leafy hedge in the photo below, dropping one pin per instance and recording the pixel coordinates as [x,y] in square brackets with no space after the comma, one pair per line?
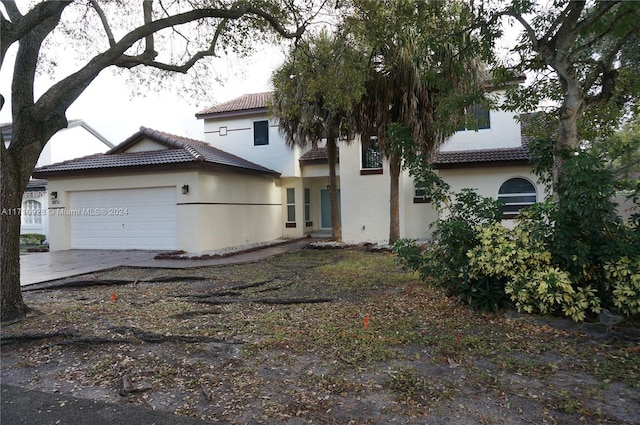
[570,258]
[32,239]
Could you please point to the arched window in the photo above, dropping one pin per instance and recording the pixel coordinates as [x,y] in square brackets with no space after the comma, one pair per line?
[31,212]
[516,193]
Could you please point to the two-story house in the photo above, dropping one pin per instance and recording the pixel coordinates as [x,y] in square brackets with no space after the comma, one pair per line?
[243,185]
[491,159]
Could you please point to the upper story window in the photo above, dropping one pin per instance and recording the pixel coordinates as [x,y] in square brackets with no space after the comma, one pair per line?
[371,156]
[260,133]
[478,118]
[516,193]
[420,196]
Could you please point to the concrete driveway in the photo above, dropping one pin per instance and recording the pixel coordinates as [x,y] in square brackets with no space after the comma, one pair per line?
[36,267]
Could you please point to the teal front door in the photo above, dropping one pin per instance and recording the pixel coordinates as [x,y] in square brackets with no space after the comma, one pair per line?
[325,208]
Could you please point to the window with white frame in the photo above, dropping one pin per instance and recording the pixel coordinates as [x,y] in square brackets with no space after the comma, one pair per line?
[516,193]
[291,205]
[31,212]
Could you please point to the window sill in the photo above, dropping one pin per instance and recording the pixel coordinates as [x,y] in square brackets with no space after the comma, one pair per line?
[421,200]
[370,171]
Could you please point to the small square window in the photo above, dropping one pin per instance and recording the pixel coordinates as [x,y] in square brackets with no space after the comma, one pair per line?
[260,133]
[420,196]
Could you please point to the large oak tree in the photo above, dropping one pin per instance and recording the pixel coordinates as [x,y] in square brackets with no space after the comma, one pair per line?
[167,36]
[584,56]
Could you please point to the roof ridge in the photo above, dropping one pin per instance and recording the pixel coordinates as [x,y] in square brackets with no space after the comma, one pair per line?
[176,141]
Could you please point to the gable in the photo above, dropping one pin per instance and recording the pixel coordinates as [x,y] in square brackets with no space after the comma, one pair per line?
[145,145]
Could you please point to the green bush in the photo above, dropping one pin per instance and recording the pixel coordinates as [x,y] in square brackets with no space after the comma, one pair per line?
[32,239]
[564,258]
[444,263]
[623,282]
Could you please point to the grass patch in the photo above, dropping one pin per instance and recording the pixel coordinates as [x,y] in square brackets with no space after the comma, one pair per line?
[388,347]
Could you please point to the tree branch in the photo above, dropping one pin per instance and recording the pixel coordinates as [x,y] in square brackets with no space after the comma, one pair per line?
[12,10]
[105,22]
[149,50]
[603,34]
[20,25]
[63,94]
[609,74]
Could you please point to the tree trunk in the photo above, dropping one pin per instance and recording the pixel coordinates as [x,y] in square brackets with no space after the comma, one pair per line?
[11,302]
[16,165]
[394,199]
[336,228]
[568,140]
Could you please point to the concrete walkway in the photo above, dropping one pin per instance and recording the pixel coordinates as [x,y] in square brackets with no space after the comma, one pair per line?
[38,267]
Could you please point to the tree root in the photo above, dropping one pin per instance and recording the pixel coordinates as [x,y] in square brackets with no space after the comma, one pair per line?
[272,301]
[82,283]
[17,338]
[153,338]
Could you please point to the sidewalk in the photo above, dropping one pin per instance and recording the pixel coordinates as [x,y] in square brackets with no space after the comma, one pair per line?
[28,407]
[40,267]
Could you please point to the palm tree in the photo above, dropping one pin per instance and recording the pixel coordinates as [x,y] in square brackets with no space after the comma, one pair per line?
[316,91]
[420,76]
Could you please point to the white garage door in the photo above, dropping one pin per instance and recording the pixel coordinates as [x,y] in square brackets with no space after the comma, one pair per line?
[124,219]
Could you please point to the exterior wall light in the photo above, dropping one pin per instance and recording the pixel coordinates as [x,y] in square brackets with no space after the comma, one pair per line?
[54,195]
[185,189]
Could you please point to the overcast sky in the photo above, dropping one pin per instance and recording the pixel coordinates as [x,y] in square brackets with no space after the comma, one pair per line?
[110,108]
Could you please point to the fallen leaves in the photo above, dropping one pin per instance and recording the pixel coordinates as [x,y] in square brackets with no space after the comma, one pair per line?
[385,348]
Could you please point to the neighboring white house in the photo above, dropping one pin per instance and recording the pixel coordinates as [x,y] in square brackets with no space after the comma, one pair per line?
[77,140]
[243,185]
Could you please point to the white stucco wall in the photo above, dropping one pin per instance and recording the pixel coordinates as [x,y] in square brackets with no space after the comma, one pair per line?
[145,146]
[239,141]
[504,132]
[365,202]
[237,210]
[220,210]
[487,181]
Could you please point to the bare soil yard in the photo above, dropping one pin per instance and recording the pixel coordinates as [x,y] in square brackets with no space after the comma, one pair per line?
[315,336]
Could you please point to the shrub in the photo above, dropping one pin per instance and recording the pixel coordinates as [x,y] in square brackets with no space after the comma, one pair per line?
[32,239]
[445,263]
[623,282]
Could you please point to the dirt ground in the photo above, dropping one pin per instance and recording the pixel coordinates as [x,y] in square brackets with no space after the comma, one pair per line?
[316,336]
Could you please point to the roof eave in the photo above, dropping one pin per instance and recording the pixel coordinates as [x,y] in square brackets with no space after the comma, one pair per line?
[479,164]
[232,114]
[177,166]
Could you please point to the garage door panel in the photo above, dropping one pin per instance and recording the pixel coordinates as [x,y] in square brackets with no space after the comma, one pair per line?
[125,219]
